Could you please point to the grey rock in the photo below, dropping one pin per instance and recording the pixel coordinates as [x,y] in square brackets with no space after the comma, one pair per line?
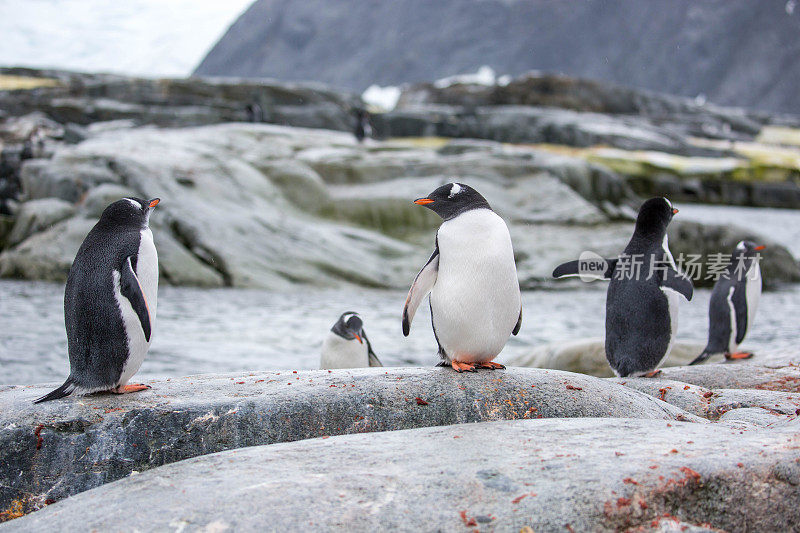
[751,374]
[588,474]
[687,238]
[95,439]
[524,124]
[100,197]
[47,255]
[588,356]
[36,216]
[81,99]
[65,177]
[714,404]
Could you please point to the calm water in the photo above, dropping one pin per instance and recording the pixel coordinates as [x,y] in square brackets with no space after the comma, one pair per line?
[227,330]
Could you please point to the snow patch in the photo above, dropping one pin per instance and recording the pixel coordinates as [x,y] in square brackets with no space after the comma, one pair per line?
[134,37]
[383,98]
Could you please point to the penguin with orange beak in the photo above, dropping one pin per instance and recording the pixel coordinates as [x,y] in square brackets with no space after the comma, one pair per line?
[733,304]
[471,276]
[347,345]
[110,302]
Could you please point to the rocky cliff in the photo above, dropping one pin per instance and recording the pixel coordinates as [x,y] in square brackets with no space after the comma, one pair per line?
[735,52]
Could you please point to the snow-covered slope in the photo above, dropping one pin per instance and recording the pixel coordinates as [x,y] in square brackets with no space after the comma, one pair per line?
[139,37]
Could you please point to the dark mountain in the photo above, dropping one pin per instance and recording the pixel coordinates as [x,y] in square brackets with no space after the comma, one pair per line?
[736,52]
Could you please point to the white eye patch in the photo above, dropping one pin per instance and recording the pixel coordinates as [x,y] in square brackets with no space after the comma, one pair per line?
[136,204]
[740,246]
[668,203]
[455,190]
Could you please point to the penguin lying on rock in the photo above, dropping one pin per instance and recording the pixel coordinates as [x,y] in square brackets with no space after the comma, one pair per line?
[472,279]
[642,298]
[110,301]
[733,304]
[347,345]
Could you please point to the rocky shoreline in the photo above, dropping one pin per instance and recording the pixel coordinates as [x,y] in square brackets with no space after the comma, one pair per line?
[60,449]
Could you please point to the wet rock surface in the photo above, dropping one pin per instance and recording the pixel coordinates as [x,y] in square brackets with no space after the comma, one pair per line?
[53,450]
[579,474]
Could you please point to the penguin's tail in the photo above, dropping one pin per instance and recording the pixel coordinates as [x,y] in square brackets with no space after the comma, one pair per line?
[702,357]
[64,390]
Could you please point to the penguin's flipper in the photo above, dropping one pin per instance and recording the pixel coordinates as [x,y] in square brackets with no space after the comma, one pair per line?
[679,283]
[572,268]
[373,359]
[132,290]
[422,285]
[64,390]
[519,323]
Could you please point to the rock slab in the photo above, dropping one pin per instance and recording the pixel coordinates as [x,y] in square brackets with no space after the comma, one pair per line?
[549,475]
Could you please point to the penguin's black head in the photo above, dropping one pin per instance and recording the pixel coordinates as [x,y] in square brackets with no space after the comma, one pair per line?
[133,212]
[453,199]
[747,249]
[349,326]
[654,216]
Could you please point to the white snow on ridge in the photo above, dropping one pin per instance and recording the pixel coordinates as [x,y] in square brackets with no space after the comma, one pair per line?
[136,37]
[382,98]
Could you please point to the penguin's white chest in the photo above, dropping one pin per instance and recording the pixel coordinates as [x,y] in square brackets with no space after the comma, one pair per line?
[147,273]
[476,298]
[752,292]
[342,353]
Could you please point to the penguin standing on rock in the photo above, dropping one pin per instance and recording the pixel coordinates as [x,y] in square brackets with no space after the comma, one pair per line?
[642,298]
[347,345]
[733,304]
[472,279]
[110,301]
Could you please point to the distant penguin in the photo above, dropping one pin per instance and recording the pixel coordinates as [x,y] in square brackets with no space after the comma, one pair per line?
[472,279]
[642,298]
[733,304]
[347,345]
[362,126]
[110,301]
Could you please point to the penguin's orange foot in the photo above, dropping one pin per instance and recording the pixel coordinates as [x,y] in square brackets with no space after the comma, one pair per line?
[491,365]
[652,374]
[739,355]
[133,387]
[462,367]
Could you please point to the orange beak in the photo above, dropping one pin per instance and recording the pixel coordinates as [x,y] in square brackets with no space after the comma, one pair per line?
[154,202]
[674,211]
[357,337]
[423,201]
[759,248]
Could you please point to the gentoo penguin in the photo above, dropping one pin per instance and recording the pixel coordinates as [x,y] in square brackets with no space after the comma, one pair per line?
[472,279]
[642,298]
[347,345]
[733,304]
[110,301]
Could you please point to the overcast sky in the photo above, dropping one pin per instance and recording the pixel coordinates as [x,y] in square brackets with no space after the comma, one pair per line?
[142,37]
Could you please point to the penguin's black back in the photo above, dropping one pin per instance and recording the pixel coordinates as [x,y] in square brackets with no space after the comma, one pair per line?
[96,337]
[638,324]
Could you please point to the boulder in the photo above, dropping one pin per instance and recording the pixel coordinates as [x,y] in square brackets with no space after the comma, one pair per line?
[36,216]
[588,356]
[59,448]
[687,238]
[542,475]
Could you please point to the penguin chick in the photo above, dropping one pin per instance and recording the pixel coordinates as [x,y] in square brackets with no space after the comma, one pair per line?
[110,301]
[642,298]
[347,345]
[733,304]
[471,276]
